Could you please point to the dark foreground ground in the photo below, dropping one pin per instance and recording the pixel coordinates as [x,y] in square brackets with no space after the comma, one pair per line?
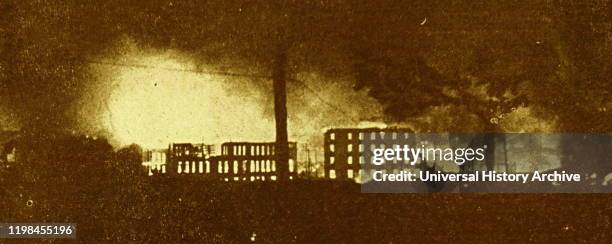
[84,181]
[169,210]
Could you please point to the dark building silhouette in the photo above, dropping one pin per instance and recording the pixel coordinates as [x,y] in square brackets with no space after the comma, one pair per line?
[344,150]
[248,161]
[187,158]
[155,161]
[238,161]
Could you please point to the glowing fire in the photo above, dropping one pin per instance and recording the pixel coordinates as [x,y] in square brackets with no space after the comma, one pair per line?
[155,106]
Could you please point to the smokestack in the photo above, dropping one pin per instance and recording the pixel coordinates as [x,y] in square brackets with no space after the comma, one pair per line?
[280,112]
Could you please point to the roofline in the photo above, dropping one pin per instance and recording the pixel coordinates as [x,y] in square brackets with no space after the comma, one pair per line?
[370,129]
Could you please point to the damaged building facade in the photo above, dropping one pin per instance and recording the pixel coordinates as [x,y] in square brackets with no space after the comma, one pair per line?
[155,161]
[252,161]
[188,158]
[237,161]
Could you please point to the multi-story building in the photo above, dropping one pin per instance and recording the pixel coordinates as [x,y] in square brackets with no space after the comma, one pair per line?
[155,161]
[345,154]
[344,150]
[187,158]
[249,161]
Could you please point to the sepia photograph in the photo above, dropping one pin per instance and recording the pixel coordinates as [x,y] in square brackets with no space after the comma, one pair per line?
[302,121]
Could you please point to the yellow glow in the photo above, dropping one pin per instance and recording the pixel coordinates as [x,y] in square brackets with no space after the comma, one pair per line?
[156,106]
[160,100]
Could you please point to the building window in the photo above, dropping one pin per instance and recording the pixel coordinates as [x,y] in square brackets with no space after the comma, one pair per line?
[180,167]
[372,136]
[360,147]
[332,174]
[291,165]
[261,165]
[350,159]
[361,160]
[235,164]
[193,166]
[358,176]
[350,136]
[394,135]
[331,147]
[331,160]
[350,173]
[360,135]
[332,136]
[349,147]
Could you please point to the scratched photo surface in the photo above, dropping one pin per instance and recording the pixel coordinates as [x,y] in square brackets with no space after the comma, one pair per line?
[172,121]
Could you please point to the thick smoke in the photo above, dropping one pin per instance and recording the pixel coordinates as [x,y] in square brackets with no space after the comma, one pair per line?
[51,54]
[153,97]
[47,50]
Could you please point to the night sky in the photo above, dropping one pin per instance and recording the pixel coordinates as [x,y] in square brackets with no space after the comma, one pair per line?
[111,68]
